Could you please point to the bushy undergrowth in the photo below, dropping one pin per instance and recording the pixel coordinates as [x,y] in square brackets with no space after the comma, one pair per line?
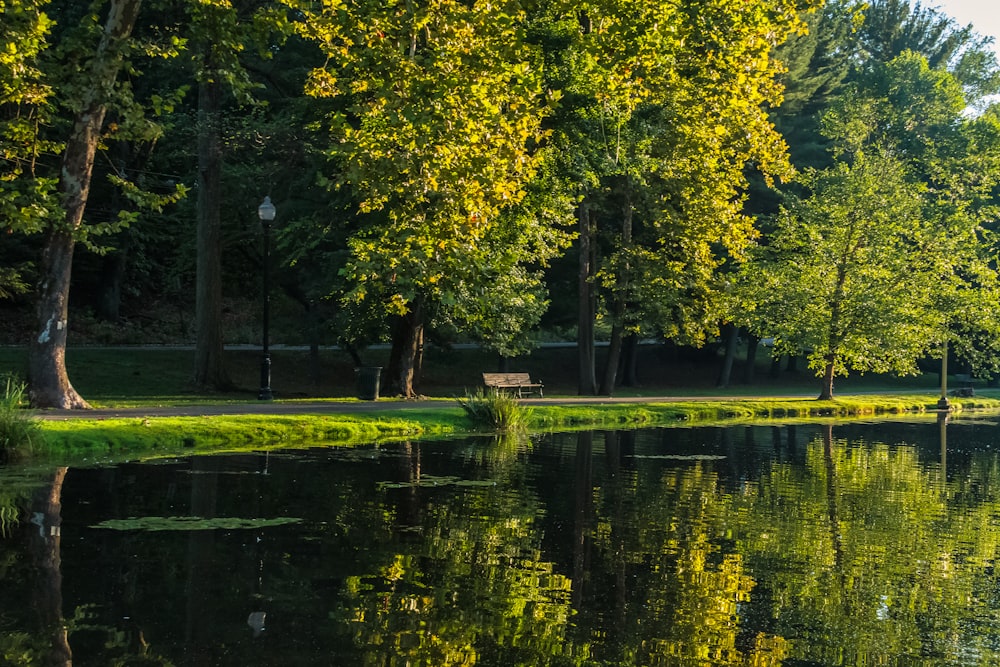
[18,428]
[496,410]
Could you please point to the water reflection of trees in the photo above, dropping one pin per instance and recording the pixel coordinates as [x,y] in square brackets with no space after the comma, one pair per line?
[601,549]
[474,589]
[833,553]
[860,555]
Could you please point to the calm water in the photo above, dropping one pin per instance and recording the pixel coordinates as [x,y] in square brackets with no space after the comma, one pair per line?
[856,544]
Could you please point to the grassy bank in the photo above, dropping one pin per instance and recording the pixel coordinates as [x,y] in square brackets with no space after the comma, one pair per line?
[112,439]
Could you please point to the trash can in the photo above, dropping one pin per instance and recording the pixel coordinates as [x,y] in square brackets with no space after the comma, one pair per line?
[368,381]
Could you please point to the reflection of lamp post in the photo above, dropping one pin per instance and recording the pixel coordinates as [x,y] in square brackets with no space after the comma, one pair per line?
[943,402]
[266,213]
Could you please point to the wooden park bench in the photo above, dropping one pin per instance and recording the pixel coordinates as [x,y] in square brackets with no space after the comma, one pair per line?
[517,382]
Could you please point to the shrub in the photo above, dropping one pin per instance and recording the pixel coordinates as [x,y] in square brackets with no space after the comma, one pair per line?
[18,428]
[496,410]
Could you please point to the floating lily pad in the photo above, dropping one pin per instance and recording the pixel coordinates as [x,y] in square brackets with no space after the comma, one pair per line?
[681,457]
[159,523]
[432,481]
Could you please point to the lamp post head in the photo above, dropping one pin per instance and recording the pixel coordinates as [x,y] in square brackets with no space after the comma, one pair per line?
[266,211]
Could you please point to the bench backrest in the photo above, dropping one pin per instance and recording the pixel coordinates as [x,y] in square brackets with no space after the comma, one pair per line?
[506,379]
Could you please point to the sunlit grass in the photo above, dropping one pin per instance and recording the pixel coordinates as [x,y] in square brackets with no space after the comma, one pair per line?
[495,410]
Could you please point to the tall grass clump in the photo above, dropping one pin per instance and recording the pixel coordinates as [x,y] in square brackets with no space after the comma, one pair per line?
[19,430]
[495,410]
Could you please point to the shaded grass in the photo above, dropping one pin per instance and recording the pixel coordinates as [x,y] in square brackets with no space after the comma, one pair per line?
[113,377]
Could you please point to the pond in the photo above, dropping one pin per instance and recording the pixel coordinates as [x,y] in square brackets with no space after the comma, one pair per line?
[813,544]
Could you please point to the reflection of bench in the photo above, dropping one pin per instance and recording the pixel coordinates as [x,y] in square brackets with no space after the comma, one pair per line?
[517,382]
[964,382]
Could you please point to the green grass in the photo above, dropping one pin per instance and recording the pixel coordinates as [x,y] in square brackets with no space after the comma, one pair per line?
[111,439]
[19,430]
[495,410]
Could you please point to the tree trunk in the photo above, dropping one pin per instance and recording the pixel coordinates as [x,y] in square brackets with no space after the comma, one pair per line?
[407,351]
[49,385]
[751,367]
[108,303]
[614,357]
[775,371]
[630,361]
[726,374]
[620,298]
[209,369]
[587,307]
[826,393]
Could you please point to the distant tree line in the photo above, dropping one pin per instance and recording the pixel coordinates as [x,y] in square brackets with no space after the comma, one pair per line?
[824,175]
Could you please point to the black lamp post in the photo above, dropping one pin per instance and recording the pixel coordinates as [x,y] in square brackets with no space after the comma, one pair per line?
[266,212]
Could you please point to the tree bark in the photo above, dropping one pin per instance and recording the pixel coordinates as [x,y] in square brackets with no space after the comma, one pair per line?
[407,350]
[826,392]
[49,385]
[620,299]
[209,368]
[587,307]
[751,367]
[630,361]
[726,373]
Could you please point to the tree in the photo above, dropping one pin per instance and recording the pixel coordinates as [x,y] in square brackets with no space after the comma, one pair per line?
[27,196]
[668,108]
[49,382]
[841,258]
[220,32]
[899,213]
[444,110]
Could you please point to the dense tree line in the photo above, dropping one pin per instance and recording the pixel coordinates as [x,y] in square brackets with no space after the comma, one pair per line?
[823,174]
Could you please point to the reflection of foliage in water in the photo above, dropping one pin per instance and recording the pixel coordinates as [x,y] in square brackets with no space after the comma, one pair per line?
[17,484]
[9,514]
[832,552]
[476,586]
[899,563]
[499,452]
[19,649]
[123,647]
[861,556]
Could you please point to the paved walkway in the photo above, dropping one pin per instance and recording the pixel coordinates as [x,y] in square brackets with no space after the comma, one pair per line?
[346,407]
